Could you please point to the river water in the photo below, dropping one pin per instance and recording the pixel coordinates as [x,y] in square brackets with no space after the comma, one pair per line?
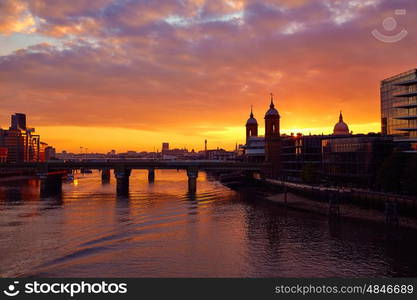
[162,231]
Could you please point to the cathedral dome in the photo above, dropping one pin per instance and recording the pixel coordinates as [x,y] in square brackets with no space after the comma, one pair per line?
[341,128]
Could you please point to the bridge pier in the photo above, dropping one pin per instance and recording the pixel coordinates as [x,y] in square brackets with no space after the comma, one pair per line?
[192,174]
[122,179]
[151,175]
[105,176]
[51,184]
[391,213]
[334,204]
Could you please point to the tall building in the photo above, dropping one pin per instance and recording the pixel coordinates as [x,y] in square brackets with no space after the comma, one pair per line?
[254,149]
[251,126]
[399,109]
[17,143]
[165,146]
[18,122]
[273,140]
[21,142]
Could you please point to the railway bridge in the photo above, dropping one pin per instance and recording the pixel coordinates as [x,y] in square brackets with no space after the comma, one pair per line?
[51,172]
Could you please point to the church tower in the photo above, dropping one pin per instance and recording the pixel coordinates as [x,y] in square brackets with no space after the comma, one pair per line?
[251,126]
[273,140]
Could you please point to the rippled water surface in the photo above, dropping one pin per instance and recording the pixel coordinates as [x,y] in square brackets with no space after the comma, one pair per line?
[162,231]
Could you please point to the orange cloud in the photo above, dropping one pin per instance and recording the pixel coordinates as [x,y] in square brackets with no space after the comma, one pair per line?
[183,71]
[15,18]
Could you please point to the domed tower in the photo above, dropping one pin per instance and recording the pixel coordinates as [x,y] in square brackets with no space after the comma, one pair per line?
[251,126]
[273,140]
[272,119]
[341,128]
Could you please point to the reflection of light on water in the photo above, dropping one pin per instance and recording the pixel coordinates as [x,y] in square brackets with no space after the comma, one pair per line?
[33,182]
[88,231]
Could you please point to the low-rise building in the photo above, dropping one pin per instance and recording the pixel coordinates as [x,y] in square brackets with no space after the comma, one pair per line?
[302,157]
[254,150]
[220,154]
[50,153]
[356,159]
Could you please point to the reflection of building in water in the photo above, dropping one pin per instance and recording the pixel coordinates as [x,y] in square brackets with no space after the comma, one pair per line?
[264,234]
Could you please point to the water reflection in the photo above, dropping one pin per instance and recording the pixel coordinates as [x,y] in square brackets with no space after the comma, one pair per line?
[122,209]
[159,229]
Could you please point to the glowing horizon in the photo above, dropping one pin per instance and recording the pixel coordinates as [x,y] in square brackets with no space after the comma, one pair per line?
[96,140]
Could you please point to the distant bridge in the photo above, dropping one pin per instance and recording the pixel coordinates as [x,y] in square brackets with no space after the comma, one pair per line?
[51,172]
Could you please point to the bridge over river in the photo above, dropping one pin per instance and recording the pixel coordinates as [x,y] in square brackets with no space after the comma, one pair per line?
[51,172]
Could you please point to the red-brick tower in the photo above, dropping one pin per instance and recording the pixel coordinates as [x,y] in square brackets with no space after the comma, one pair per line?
[273,140]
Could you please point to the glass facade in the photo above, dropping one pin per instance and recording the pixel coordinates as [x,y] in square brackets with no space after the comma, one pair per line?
[17,143]
[354,160]
[299,153]
[21,143]
[399,108]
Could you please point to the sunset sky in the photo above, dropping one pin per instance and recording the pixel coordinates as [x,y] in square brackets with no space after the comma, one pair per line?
[131,74]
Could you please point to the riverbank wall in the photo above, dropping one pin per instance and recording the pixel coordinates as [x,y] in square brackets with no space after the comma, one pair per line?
[347,202]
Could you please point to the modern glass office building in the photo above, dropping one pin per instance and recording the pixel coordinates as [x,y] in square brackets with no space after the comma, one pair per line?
[301,154]
[21,143]
[399,109]
[356,159]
